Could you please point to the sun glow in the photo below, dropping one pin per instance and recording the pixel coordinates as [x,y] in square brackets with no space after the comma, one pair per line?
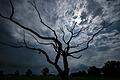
[77,17]
[78,20]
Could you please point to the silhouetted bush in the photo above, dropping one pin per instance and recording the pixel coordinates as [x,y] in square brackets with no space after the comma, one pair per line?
[29,72]
[111,68]
[78,74]
[45,71]
[1,72]
[16,73]
[93,71]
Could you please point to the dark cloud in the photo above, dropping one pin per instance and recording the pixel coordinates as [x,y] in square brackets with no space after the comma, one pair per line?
[52,11]
[4,30]
[47,9]
[93,6]
[4,6]
[115,26]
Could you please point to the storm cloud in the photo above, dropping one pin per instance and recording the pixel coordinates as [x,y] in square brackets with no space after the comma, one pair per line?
[105,46]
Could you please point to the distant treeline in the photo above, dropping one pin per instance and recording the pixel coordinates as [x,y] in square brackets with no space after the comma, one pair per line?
[45,72]
[110,69]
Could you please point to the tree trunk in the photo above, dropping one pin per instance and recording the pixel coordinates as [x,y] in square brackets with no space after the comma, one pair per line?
[64,76]
[65,73]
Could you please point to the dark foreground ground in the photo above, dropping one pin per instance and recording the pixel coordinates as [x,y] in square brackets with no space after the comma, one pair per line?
[52,78]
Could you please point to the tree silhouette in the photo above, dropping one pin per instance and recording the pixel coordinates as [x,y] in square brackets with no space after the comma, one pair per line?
[93,71]
[111,68]
[45,71]
[29,72]
[1,73]
[16,73]
[78,74]
[64,48]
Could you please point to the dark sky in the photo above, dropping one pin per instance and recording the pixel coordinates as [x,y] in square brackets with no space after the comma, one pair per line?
[105,46]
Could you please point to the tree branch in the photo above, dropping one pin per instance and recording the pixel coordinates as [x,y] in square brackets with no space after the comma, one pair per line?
[54,46]
[77,45]
[78,32]
[47,57]
[35,7]
[72,33]
[63,37]
[78,57]
[87,45]
[24,27]
[11,16]
[58,53]
[28,47]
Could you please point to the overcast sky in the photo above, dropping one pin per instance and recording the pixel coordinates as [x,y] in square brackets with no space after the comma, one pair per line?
[60,13]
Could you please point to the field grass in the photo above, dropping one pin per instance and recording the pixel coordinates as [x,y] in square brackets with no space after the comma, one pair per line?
[52,78]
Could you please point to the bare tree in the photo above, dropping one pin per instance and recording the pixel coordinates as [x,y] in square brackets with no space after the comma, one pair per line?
[68,51]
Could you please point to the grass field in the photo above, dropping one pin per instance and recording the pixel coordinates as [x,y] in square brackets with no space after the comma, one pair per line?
[53,78]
